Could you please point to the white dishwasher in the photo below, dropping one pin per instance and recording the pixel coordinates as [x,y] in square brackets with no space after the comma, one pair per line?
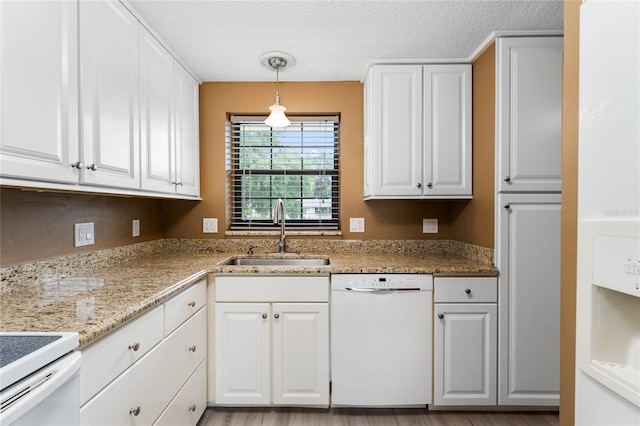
[381,334]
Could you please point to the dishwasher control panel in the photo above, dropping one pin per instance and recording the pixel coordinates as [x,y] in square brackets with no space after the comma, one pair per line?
[382,281]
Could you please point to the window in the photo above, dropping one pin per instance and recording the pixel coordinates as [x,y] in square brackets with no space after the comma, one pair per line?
[298,163]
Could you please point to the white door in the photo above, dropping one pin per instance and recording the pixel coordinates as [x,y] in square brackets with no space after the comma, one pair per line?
[447,130]
[301,354]
[465,354]
[529,299]
[109,89]
[39,90]
[529,114]
[242,353]
[397,130]
[156,115]
[187,175]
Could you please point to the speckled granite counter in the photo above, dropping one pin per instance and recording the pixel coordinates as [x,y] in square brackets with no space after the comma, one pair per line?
[95,293]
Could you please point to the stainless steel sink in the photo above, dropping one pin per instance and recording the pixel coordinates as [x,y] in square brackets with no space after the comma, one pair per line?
[277,261]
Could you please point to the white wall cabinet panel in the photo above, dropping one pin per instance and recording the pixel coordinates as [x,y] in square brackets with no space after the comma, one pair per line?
[157,150]
[109,94]
[529,114]
[39,90]
[529,298]
[447,130]
[397,130]
[300,355]
[242,358]
[187,136]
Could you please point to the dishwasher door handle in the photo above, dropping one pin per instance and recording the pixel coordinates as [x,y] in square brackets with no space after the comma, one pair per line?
[381,289]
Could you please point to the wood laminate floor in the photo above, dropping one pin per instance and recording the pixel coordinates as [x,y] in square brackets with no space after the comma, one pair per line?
[370,417]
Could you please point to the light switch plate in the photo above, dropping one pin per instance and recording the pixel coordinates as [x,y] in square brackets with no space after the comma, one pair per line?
[210,225]
[83,234]
[356,224]
[135,228]
[429,226]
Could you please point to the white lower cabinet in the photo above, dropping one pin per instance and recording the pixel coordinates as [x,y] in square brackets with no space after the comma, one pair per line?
[269,352]
[465,341]
[166,383]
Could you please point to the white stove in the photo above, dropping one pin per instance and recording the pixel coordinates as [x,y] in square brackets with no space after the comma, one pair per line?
[39,378]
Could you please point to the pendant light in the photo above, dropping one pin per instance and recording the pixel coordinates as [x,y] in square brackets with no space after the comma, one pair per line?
[277,118]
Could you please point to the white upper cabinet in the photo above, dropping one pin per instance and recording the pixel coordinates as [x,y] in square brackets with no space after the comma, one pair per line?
[187,136]
[156,115]
[529,114]
[39,90]
[109,94]
[418,131]
[91,101]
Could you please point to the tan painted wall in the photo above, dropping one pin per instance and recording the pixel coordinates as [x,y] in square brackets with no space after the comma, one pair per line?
[569,210]
[383,219]
[36,226]
[473,221]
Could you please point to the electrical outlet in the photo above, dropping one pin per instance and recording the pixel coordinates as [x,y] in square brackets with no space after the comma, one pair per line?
[356,224]
[429,226]
[135,228]
[210,225]
[83,234]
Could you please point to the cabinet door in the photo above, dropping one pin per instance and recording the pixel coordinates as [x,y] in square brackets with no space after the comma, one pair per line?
[447,130]
[528,259]
[156,115]
[465,354]
[109,89]
[39,90]
[529,113]
[187,176]
[301,354]
[242,353]
[397,130]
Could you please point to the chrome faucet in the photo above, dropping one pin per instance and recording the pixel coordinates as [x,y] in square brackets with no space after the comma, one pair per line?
[280,206]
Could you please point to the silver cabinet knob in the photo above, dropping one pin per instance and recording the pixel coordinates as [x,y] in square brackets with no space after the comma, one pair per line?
[507,206]
[192,348]
[276,316]
[134,346]
[441,316]
[467,290]
[507,179]
[78,165]
[264,316]
[192,303]
[180,183]
[419,185]
[192,407]
[429,185]
[92,167]
[135,411]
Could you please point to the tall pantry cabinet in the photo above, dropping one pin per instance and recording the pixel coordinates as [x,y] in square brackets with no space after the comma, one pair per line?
[528,185]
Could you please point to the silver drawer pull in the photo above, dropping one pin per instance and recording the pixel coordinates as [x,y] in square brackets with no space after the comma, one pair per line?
[276,316]
[467,290]
[192,407]
[192,348]
[192,303]
[440,316]
[135,411]
[134,347]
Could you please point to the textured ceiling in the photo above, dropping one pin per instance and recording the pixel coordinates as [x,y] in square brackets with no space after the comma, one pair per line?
[332,40]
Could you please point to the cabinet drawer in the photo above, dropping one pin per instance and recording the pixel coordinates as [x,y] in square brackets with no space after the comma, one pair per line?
[181,307]
[150,384]
[106,359]
[187,407]
[465,290]
[271,289]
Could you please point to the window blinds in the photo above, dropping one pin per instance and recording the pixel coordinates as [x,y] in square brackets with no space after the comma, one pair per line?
[298,163]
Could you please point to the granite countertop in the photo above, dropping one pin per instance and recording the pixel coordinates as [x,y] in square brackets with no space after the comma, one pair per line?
[94,294]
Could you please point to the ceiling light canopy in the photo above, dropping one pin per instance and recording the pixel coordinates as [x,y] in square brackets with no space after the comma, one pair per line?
[277,61]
